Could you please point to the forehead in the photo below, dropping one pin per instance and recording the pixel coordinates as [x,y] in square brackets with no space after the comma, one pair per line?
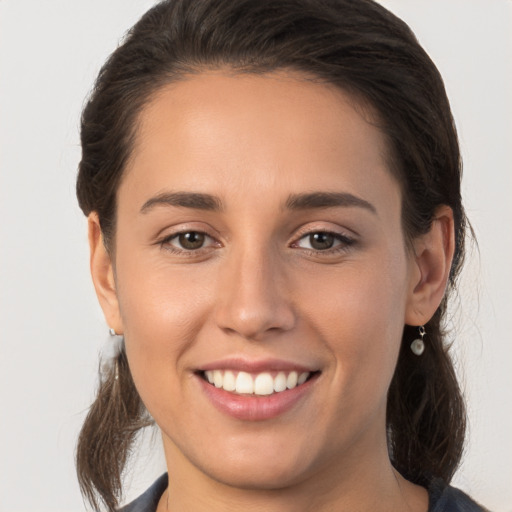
[219,132]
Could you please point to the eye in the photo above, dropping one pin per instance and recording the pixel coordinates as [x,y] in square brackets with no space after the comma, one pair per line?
[188,241]
[323,241]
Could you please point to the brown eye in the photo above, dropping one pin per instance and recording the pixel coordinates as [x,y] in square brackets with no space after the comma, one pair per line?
[188,243]
[191,240]
[321,241]
[324,241]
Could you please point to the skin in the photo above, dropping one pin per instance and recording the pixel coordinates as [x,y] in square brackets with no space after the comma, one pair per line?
[257,290]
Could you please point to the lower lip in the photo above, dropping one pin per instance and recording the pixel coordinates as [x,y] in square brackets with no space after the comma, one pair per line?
[253,407]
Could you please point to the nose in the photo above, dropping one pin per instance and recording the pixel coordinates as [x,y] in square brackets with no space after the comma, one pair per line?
[253,301]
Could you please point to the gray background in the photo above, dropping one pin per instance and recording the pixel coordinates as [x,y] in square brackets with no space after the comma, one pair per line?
[51,328]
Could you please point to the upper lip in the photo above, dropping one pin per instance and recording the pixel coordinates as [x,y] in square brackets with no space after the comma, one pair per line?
[256,366]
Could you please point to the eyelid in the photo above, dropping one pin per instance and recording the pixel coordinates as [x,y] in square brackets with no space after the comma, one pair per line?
[338,241]
[341,237]
[164,240]
[184,227]
[345,237]
[175,236]
[311,228]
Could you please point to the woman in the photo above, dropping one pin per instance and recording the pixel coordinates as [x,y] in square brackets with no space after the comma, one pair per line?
[275,221]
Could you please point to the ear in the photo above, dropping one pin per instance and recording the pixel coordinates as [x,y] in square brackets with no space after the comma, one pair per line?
[432,259]
[102,272]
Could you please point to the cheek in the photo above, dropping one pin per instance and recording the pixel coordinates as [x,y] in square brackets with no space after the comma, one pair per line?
[162,311]
[155,308]
[358,313]
[154,294]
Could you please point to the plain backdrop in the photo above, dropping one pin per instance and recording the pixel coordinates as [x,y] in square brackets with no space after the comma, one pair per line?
[51,328]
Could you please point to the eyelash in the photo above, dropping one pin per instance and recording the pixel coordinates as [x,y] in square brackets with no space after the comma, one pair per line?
[345,242]
[165,243]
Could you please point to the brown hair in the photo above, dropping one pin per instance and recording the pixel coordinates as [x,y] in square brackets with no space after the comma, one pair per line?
[363,49]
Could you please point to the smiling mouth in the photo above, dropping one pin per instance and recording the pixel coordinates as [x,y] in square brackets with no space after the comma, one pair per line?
[259,384]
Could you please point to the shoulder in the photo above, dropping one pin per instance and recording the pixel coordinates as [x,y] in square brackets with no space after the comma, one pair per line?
[148,501]
[444,498]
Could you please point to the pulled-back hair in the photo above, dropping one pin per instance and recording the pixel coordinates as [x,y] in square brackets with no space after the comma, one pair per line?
[366,51]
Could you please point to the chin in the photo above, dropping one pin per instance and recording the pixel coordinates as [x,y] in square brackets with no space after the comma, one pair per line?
[268,476]
[259,463]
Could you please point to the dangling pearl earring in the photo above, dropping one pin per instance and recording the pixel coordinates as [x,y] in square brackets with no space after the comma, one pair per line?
[418,345]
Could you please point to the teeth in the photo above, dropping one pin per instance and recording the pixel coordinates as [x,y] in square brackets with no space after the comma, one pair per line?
[280,382]
[291,380]
[229,383]
[244,383]
[302,378]
[262,384]
[217,378]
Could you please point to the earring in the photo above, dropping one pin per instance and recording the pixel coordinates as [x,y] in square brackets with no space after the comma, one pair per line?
[112,332]
[418,345]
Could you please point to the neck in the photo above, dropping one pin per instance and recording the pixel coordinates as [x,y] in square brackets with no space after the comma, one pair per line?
[356,482]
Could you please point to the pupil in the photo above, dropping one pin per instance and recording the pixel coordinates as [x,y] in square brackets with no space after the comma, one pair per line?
[191,240]
[321,241]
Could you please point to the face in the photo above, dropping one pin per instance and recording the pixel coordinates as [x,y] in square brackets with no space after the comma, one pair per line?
[262,277]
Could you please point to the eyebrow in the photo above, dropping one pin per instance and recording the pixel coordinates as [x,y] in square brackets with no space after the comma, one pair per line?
[195,200]
[305,201]
[327,200]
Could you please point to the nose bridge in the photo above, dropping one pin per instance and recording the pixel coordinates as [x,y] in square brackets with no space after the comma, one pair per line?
[253,299]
